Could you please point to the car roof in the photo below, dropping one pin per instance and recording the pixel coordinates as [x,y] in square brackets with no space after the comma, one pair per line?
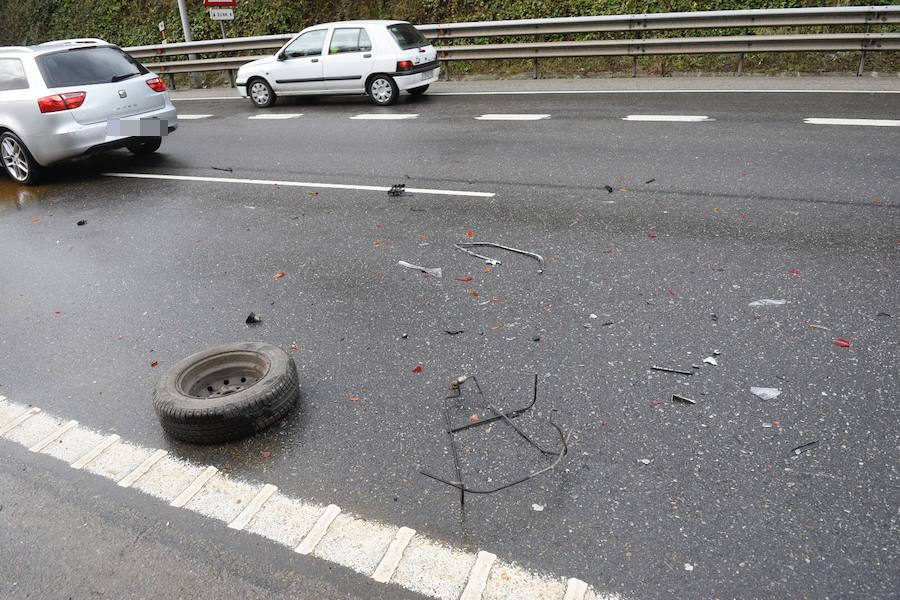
[356,23]
[54,46]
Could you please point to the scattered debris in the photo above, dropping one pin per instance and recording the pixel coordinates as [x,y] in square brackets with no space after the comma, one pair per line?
[313,194]
[398,189]
[714,317]
[624,189]
[765,393]
[253,318]
[473,293]
[693,366]
[537,508]
[644,461]
[593,316]
[650,181]
[470,234]
[154,364]
[507,418]
[767,302]
[226,169]
[883,314]
[795,272]
[403,336]
[265,453]
[280,275]
[668,370]
[536,338]
[609,189]
[772,425]
[682,399]
[453,331]
[688,567]
[433,272]
[716,353]
[652,235]
[418,369]
[465,279]
[804,447]
[842,342]
[494,262]
[814,326]
[81,222]
[607,323]
[711,361]
[294,348]
[474,417]
[355,398]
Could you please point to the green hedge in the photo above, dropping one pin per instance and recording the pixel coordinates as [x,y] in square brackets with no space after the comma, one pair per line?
[134,22]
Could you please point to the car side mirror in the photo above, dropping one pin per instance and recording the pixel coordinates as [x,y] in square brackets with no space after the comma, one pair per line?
[280,56]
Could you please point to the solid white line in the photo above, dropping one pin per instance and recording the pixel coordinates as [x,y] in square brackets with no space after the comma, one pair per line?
[678,91]
[674,118]
[18,420]
[478,576]
[575,589]
[318,530]
[511,117]
[210,98]
[53,436]
[253,507]
[391,558]
[334,186]
[95,451]
[142,468]
[189,492]
[384,117]
[869,122]
[192,117]
[277,116]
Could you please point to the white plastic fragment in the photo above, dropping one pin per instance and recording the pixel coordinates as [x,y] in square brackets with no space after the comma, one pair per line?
[644,461]
[768,302]
[688,567]
[711,361]
[765,393]
[537,507]
[436,272]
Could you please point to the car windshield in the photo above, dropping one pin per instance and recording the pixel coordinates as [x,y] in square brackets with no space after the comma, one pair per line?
[87,66]
[407,36]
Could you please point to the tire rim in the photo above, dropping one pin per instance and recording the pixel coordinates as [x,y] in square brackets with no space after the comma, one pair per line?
[14,159]
[381,90]
[222,374]
[260,93]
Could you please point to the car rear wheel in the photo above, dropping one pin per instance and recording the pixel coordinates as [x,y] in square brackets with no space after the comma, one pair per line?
[144,147]
[261,93]
[17,160]
[383,90]
[418,91]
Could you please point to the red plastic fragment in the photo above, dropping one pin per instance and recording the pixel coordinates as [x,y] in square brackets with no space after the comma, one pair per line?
[794,272]
[842,342]
[418,370]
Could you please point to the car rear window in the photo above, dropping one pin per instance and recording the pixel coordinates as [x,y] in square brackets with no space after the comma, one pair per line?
[407,36]
[12,75]
[87,66]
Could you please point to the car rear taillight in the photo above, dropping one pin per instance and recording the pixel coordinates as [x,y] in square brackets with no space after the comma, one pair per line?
[157,85]
[404,65]
[58,102]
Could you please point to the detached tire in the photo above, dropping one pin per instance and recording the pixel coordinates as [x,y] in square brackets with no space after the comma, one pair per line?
[226,393]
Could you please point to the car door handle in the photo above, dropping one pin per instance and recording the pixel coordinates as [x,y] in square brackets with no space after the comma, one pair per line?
[314,60]
[367,56]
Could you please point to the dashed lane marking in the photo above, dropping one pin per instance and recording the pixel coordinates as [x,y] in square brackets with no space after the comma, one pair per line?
[671,118]
[183,117]
[53,436]
[276,116]
[511,117]
[863,122]
[383,552]
[384,117]
[304,184]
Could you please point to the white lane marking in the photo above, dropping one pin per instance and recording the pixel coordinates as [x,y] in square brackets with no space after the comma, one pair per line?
[318,531]
[384,117]
[332,186]
[192,117]
[53,436]
[575,589]
[95,451]
[672,118]
[478,576]
[864,122]
[142,468]
[511,117]
[391,558]
[276,116]
[188,493]
[253,507]
[431,568]
[210,98]
[19,420]
[678,91]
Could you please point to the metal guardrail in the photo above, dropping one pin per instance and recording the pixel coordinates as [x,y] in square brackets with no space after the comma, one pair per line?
[867,16]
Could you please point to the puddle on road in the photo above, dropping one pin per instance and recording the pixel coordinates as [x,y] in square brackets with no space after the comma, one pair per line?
[16,197]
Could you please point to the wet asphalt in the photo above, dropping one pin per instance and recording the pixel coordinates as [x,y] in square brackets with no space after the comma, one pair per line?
[703,219]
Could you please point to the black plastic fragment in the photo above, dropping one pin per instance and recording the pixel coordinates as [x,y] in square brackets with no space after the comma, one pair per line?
[253,318]
[398,189]
[608,188]
[668,370]
[804,447]
[81,222]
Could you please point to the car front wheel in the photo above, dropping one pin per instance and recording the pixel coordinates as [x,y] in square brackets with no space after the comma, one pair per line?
[17,160]
[261,94]
[383,90]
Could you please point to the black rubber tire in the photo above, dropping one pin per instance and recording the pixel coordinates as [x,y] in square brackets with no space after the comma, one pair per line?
[35,171]
[418,91]
[234,416]
[395,91]
[145,146]
[271,98]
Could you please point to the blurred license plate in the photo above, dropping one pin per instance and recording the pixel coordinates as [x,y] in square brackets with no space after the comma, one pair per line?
[137,127]
[427,75]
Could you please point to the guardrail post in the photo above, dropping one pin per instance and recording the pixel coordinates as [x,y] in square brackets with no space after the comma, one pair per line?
[537,74]
[862,56]
[447,71]
[740,66]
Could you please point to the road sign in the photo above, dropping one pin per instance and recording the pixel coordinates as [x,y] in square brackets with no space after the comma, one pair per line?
[162,25]
[221,14]
[220,3]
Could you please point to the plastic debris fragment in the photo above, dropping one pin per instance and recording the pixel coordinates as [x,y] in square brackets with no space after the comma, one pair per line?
[682,399]
[435,272]
[765,393]
[537,507]
[711,361]
[398,189]
[842,342]
[767,302]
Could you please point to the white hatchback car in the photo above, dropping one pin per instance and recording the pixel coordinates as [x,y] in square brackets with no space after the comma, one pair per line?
[378,58]
[60,100]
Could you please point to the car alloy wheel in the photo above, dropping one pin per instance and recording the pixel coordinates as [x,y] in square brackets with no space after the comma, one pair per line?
[14,159]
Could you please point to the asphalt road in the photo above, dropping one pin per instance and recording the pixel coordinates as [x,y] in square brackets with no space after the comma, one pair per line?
[704,218]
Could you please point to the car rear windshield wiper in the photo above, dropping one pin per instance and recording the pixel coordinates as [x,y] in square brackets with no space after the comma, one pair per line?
[117,78]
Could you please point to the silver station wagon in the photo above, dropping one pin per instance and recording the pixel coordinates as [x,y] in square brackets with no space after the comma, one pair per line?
[61,100]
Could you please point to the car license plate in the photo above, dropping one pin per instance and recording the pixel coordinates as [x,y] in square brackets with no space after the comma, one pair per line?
[137,127]
[427,75]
